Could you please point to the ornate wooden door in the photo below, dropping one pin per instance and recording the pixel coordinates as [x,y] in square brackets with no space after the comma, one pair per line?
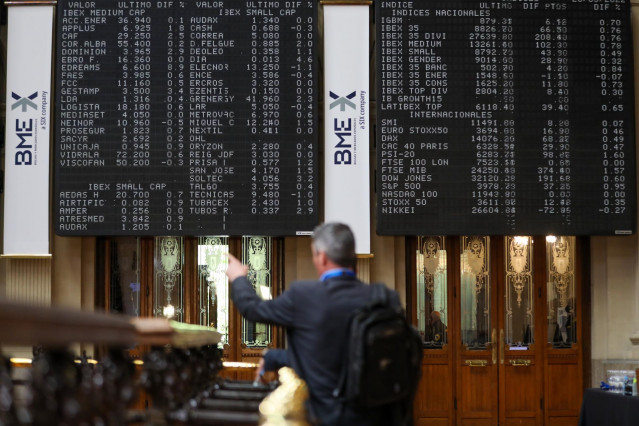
[477,366]
[184,278]
[520,340]
[510,337]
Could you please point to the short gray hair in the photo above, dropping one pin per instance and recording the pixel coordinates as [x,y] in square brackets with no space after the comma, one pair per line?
[337,241]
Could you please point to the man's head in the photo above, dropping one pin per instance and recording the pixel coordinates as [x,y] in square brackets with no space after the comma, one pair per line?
[333,246]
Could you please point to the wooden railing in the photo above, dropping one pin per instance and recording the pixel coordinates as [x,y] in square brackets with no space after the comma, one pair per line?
[180,374]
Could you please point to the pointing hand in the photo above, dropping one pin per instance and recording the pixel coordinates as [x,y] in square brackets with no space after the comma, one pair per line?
[236,268]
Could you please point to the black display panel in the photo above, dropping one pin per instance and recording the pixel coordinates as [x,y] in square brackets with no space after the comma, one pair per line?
[505,117]
[186,118]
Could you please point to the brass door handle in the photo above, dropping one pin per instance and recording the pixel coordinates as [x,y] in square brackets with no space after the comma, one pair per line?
[476,362]
[520,362]
[495,344]
[501,346]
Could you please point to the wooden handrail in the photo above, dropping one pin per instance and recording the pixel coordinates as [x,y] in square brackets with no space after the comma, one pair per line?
[59,327]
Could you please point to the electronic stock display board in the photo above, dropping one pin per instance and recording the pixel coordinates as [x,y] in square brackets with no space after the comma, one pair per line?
[186,118]
[505,117]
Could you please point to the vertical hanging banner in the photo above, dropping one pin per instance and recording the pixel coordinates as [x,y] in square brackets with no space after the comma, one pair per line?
[346,106]
[26,198]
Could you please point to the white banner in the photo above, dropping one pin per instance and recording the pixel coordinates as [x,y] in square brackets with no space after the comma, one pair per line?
[26,197]
[346,106]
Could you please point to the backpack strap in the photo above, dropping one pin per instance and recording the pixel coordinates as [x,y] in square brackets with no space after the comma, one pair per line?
[380,295]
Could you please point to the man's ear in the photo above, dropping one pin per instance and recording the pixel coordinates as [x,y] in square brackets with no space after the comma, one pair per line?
[322,258]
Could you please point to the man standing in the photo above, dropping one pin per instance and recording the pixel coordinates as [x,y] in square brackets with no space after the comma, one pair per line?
[316,315]
[437,329]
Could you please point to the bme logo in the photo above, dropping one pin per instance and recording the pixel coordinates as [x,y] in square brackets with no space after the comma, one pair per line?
[342,102]
[343,129]
[24,129]
[24,102]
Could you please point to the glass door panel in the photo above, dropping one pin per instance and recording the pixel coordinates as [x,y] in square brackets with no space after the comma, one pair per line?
[432,291]
[560,290]
[475,292]
[168,285]
[519,321]
[257,254]
[124,276]
[213,284]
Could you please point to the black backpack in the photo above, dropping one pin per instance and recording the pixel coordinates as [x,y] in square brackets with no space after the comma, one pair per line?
[383,360]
